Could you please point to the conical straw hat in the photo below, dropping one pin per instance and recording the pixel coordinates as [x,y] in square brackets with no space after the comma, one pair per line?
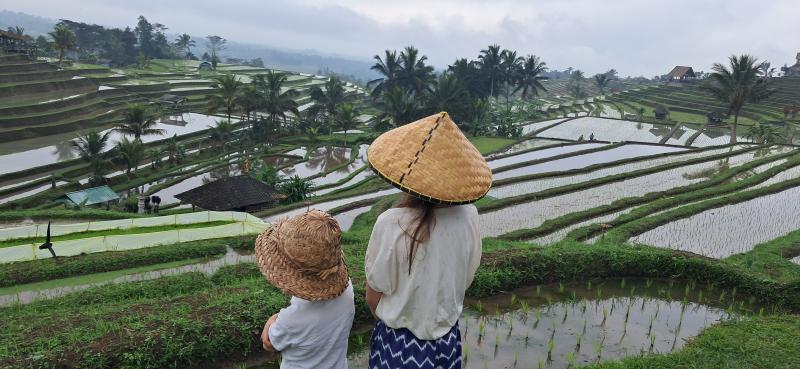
[303,256]
[431,159]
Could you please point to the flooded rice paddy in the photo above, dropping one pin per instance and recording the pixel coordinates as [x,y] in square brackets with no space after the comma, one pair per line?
[15,157]
[528,144]
[542,154]
[533,127]
[534,213]
[545,183]
[581,161]
[731,229]
[566,325]
[24,294]
[608,130]
[346,218]
[328,205]
[320,159]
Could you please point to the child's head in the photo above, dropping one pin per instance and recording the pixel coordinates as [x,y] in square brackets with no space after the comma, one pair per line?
[303,256]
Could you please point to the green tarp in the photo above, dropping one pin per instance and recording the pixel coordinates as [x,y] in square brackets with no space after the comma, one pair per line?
[91,196]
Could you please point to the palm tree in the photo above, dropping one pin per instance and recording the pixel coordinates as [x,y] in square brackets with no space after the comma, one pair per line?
[467,71]
[185,43]
[530,76]
[90,147]
[296,189]
[737,85]
[228,90]
[389,68]
[131,152]
[448,94]
[249,100]
[172,148]
[510,66]
[489,62]
[221,133]
[575,84]
[414,74]
[63,39]
[763,134]
[329,99]
[139,121]
[396,108]
[346,118]
[601,80]
[276,102]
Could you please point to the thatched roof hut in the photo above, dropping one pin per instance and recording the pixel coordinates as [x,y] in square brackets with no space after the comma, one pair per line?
[239,193]
[681,73]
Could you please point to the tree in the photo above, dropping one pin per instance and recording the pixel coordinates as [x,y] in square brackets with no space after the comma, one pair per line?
[346,118]
[172,149]
[389,69]
[131,152]
[530,76]
[276,102]
[737,84]
[268,174]
[469,75]
[296,189]
[414,75]
[329,98]
[63,39]
[510,66]
[228,90]
[763,134]
[601,80]
[139,121]
[222,133]
[185,43]
[448,94]
[90,147]
[215,45]
[397,108]
[575,84]
[144,33]
[489,63]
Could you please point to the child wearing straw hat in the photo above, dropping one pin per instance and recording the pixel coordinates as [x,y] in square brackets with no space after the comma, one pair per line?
[423,254]
[303,257]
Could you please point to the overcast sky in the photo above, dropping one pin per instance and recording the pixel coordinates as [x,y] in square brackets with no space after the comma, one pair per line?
[637,37]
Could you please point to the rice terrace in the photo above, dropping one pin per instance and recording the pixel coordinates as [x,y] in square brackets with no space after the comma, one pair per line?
[632,222]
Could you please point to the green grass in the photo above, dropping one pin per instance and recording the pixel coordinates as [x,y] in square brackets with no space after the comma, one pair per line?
[97,277]
[770,342]
[111,232]
[88,214]
[490,144]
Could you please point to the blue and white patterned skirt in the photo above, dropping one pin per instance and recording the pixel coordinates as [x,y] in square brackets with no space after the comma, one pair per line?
[398,348]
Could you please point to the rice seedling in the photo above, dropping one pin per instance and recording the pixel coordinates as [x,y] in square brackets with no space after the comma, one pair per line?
[465,351]
[561,288]
[564,319]
[550,346]
[481,327]
[541,364]
[538,291]
[652,341]
[622,284]
[513,300]
[648,283]
[516,358]
[722,296]
[578,341]
[598,349]
[589,285]
[605,316]
[570,359]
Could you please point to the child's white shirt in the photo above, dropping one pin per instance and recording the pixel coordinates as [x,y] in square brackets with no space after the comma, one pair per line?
[313,334]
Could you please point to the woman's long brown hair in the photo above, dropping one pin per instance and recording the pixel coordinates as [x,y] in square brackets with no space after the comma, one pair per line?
[421,225]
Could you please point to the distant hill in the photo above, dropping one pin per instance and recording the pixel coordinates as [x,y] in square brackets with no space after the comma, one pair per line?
[292,60]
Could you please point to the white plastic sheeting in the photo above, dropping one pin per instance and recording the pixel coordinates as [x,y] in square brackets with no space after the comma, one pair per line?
[244,224]
[40,230]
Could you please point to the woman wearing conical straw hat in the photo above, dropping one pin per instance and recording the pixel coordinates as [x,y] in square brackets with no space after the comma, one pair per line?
[423,253]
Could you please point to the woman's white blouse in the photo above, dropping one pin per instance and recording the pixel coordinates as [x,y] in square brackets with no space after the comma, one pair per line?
[428,302]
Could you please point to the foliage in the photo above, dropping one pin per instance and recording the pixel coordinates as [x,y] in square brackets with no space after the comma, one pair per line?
[764,134]
[228,90]
[63,39]
[296,189]
[131,152]
[274,101]
[90,147]
[327,100]
[139,120]
[268,174]
[222,133]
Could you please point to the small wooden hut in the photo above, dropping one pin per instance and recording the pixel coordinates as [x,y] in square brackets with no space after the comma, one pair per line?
[239,193]
[101,195]
[172,104]
[681,73]
[661,112]
[16,44]
[715,117]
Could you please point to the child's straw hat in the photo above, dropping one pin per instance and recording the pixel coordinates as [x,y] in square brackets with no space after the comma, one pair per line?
[431,159]
[303,256]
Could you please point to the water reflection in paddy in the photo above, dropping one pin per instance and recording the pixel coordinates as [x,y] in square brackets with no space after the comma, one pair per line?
[580,323]
[609,130]
[541,154]
[346,218]
[580,161]
[207,267]
[12,159]
[525,145]
[321,159]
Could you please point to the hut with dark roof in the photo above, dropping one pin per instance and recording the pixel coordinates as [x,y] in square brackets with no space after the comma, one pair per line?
[239,193]
[681,73]
[716,117]
[13,43]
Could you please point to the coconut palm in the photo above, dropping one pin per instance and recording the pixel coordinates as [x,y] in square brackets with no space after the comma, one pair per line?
[328,98]
[90,147]
[228,90]
[510,66]
[467,71]
[389,69]
[249,100]
[763,134]
[737,84]
[172,149]
[185,43]
[489,63]
[396,108]
[530,76]
[414,75]
[275,101]
[221,133]
[139,120]
[448,94]
[131,152]
[346,116]
[575,84]
[63,39]
[601,80]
